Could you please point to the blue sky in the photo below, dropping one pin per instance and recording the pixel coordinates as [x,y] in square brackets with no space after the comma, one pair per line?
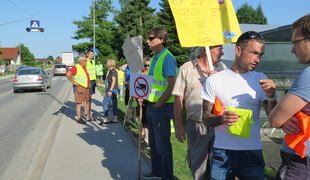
[56,18]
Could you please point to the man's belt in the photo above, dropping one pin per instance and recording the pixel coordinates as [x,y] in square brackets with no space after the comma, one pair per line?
[290,158]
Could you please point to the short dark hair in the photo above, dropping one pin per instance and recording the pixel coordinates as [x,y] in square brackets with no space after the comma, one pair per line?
[244,39]
[89,51]
[160,33]
[304,24]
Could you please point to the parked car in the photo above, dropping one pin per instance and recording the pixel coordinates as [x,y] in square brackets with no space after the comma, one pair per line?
[22,68]
[32,78]
[60,69]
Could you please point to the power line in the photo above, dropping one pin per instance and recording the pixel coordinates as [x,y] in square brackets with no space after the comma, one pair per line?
[20,8]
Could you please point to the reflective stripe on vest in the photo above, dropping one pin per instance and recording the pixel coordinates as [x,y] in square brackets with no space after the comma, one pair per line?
[81,76]
[98,68]
[91,69]
[159,84]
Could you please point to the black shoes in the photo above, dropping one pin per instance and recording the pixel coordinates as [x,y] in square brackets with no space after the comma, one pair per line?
[150,176]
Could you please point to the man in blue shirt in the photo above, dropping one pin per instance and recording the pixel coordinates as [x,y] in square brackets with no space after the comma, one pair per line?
[160,109]
[297,99]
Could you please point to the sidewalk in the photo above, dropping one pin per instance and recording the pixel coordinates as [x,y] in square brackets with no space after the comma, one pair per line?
[88,151]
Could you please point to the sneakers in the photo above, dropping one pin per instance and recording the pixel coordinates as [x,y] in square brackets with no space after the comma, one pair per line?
[150,176]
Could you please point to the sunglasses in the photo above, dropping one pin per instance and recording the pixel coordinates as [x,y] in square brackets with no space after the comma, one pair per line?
[250,35]
[146,65]
[152,38]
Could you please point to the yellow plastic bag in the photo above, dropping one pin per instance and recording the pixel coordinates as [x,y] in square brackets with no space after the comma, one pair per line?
[241,128]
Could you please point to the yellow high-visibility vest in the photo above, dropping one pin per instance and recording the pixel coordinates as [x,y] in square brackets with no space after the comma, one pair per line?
[120,77]
[81,76]
[159,84]
[98,68]
[91,69]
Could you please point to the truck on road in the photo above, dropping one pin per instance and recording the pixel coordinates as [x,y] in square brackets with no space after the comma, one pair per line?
[68,59]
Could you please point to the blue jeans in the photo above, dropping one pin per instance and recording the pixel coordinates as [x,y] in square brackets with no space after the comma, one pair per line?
[158,122]
[105,101]
[247,164]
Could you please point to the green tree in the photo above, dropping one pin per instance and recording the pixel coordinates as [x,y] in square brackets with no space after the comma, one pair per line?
[246,14]
[27,57]
[50,57]
[134,19]
[166,20]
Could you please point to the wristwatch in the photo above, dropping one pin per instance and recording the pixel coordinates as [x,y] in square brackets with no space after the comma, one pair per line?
[273,98]
[110,90]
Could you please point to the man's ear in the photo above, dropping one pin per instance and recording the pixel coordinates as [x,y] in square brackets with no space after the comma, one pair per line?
[238,51]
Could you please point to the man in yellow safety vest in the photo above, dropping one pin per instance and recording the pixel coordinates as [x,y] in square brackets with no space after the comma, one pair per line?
[79,77]
[121,78]
[99,73]
[91,69]
[160,109]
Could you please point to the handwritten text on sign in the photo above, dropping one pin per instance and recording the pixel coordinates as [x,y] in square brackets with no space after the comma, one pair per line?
[205,22]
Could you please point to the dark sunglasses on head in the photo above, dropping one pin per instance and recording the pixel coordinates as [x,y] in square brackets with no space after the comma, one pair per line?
[250,35]
[152,38]
[146,65]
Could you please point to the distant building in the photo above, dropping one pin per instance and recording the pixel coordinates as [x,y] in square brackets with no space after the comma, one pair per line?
[11,56]
[58,60]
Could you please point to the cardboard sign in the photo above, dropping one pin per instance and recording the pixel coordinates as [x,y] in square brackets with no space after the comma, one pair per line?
[205,22]
[134,60]
[140,85]
[137,41]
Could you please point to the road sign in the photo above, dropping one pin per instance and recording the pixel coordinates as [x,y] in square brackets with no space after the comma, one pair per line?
[95,52]
[34,25]
[141,87]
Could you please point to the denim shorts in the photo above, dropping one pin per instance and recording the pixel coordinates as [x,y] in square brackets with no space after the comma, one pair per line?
[245,164]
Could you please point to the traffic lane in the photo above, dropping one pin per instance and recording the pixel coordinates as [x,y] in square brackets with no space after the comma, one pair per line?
[25,117]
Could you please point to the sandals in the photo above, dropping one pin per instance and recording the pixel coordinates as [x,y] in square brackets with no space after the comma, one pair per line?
[81,121]
[91,119]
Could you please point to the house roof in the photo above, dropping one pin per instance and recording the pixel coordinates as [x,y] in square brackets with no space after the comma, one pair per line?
[9,53]
[40,59]
[58,59]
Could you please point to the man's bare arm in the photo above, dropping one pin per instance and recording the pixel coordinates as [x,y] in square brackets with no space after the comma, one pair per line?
[229,118]
[208,118]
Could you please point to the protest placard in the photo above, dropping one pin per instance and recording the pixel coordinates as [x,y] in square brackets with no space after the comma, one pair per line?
[205,22]
[134,60]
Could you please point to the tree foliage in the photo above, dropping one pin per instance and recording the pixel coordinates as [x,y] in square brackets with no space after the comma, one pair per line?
[246,14]
[166,20]
[27,57]
[134,18]
[50,57]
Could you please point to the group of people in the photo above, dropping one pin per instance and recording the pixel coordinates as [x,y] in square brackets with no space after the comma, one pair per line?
[216,102]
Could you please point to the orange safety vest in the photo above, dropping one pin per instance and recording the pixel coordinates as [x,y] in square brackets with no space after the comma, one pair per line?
[296,141]
[217,107]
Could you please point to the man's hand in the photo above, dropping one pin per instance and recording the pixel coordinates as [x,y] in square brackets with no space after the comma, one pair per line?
[268,86]
[180,134]
[289,127]
[140,101]
[109,94]
[230,118]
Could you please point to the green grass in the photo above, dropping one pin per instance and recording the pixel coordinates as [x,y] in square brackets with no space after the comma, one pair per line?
[180,168]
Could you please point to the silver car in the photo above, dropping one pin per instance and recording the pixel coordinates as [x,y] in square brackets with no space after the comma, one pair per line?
[60,69]
[32,78]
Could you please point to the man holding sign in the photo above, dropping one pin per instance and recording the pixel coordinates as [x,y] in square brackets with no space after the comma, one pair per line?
[200,138]
[160,106]
[239,89]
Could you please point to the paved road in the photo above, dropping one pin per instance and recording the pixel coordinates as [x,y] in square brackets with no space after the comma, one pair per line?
[24,118]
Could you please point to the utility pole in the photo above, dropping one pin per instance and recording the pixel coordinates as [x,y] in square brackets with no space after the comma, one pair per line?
[94,27]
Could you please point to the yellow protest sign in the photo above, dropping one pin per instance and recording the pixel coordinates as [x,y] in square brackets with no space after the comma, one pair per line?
[205,22]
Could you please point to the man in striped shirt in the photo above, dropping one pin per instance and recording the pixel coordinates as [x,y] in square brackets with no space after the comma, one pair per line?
[190,79]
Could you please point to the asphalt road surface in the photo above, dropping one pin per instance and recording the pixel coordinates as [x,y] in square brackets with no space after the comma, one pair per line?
[24,118]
